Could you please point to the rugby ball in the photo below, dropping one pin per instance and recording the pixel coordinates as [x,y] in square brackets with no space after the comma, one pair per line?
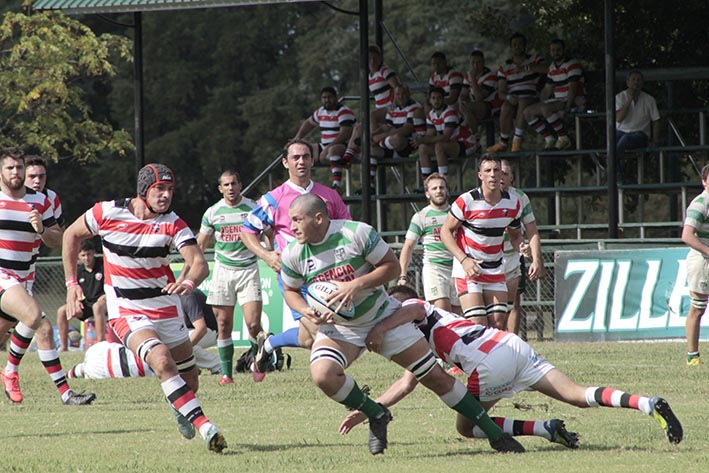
[317,294]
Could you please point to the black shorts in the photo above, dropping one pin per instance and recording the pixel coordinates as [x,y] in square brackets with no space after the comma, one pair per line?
[87,312]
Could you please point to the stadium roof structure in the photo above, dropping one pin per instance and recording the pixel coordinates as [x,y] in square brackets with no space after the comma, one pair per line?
[75,7]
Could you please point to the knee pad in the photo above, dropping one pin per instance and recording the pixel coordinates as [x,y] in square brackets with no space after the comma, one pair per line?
[187,364]
[496,308]
[420,368]
[146,347]
[475,311]
[328,353]
[700,304]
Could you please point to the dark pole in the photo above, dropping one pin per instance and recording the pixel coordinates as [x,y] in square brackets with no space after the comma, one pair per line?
[378,15]
[364,106]
[138,90]
[612,162]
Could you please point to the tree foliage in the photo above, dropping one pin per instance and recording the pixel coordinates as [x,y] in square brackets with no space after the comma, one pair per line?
[44,58]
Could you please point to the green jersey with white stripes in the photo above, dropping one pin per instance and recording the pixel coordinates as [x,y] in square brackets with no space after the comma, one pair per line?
[698,216]
[349,250]
[426,226]
[225,224]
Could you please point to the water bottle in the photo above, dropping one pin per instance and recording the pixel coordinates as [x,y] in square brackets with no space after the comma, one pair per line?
[89,333]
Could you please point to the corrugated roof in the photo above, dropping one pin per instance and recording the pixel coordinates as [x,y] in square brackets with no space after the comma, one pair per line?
[126,6]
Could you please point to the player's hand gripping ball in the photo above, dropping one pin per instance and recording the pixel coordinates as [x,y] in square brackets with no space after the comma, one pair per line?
[316,296]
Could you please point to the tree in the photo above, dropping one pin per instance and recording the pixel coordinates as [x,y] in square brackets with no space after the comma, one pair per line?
[45,58]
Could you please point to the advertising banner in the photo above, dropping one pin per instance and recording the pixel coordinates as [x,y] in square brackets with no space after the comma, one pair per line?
[621,294]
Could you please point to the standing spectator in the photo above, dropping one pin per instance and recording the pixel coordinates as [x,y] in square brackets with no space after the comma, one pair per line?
[437,260]
[354,255]
[383,81]
[26,218]
[473,233]
[235,277]
[141,291]
[517,85]
[271,214]
[695,233]
[446,137]
[335,121]
[479,98]
[514,268]
[90,278]
[36,179]
[635,110]
[562,93]
[446,78]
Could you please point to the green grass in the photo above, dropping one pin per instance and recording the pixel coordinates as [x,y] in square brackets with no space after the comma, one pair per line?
[284,424]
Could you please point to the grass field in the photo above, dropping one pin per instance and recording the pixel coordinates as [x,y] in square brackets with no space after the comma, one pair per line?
[284,424]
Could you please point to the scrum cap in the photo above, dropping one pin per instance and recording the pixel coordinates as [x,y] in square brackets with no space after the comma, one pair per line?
[151,175]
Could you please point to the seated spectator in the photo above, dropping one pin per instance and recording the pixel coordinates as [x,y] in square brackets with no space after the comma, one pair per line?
[90,277]
[479,98]
[634,111]
[517,80]
[202,325]
[562,93]
[335,121]
[445,136]
[445,77]
[382,83]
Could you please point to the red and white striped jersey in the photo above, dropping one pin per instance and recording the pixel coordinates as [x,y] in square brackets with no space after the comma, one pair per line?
[482,231]
[136,258]
[330,122]
[450,118]
[379,87]
[488,84]
[400,116]
[19,242]
[457,340]
[450,79]
[560,75]
[520,83]
[56,205]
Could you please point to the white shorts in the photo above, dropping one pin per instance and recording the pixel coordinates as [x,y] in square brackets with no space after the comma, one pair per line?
[697,273]
[6,282]
[437,283]
[231,285]
[468,286]
[172,332]
[511,367]
[395,340]
[512,266]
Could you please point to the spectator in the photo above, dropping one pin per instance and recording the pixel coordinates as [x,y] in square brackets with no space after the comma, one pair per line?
[26,218]
[335,121]
[90,277]
[445,136]
[437,260]
[517,86]
[202,325]
[479,99]
[635,110]
[445,77]
[562,93]
[235,277]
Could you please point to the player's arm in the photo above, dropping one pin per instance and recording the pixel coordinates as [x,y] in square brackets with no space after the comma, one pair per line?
[384,271]
[294,299]
[536,269]
[193,273]
[690,238]
[547,91]
[448,230]
[271,257]
[50,235]
[200,330]
[395,393]
[203,241]
[404,315]
[306,127]
[404,259]
[73,235]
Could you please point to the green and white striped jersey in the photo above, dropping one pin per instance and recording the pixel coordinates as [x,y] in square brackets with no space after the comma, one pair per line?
[526,217]
[426,225]
[349,250]
[226,223]
[698,216]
